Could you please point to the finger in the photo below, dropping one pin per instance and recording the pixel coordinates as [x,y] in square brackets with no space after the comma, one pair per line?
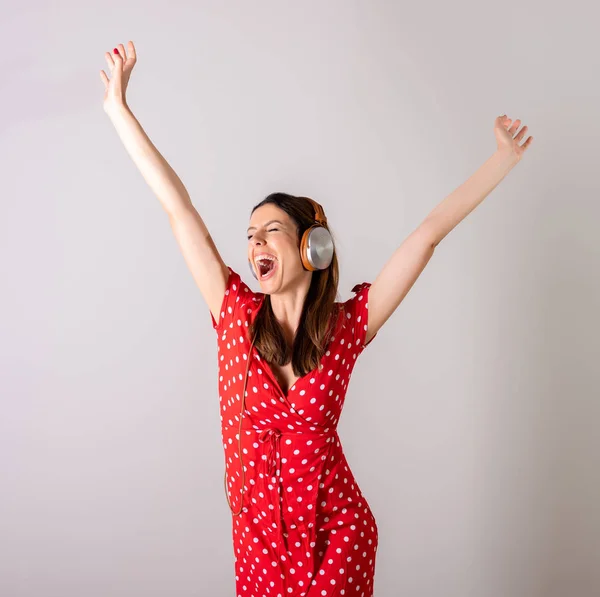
[527,143]
[122,53]
[109,61]
[521,133]
[131,55]
[512,130]
[118,59]
[131,50]
[104,79]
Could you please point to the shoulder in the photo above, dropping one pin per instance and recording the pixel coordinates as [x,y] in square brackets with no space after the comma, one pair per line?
[358,299]
[354,315]
[243,293]
[238,304]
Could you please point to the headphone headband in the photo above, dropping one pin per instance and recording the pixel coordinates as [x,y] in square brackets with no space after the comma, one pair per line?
[319,213]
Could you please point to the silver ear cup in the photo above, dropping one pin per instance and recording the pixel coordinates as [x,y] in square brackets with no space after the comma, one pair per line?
[319,248]
[252,269]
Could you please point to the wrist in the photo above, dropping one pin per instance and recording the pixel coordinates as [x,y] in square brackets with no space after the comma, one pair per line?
[507,156]
[115,109]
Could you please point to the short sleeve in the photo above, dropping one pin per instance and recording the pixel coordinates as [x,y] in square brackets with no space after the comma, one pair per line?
[237,294]
[356,311]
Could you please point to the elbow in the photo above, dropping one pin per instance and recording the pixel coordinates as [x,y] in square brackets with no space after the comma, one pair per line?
[428,235]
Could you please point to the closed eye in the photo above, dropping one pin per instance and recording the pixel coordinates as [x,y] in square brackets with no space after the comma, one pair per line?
[271,230]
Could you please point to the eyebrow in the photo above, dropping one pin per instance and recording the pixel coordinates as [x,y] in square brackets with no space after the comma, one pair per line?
[269,222]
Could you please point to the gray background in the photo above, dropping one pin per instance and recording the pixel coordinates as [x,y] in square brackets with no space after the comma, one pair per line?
[470,422]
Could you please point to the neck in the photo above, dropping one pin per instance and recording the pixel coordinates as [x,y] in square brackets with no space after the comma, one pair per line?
[287,306]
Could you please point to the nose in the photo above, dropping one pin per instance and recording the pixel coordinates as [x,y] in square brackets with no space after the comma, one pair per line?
[257,238]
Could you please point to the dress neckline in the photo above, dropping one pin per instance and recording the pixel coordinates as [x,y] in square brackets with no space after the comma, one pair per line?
[270,371]
[274,379]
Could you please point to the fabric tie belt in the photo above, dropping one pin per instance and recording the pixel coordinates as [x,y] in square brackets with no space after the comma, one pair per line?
[272,437]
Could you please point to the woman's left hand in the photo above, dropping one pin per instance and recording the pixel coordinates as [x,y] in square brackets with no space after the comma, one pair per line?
[505,136]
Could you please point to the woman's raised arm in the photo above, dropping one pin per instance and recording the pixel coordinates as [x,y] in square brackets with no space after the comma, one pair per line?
[199,251]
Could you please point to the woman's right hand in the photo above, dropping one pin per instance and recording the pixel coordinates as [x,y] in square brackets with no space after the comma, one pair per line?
[120,66]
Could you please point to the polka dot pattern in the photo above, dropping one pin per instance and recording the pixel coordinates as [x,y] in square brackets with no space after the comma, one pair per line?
[305,528]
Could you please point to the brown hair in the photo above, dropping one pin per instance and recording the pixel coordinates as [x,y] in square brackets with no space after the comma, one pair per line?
[319,313]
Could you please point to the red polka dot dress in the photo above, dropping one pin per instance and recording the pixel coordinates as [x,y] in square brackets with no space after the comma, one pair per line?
[304,528]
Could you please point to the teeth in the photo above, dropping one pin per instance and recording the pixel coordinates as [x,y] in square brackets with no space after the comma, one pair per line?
[265,258]
[261,259]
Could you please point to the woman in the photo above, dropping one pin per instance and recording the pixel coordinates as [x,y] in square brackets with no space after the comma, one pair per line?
[301,525]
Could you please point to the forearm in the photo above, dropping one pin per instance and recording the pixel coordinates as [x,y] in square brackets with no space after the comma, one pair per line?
[461,202]
[161,178]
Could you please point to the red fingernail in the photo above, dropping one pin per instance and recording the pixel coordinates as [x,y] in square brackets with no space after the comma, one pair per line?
[116,51]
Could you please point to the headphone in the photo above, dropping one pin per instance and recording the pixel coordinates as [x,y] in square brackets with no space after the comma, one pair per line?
[316,245]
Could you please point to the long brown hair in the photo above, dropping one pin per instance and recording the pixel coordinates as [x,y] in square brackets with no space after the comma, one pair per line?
[319,313]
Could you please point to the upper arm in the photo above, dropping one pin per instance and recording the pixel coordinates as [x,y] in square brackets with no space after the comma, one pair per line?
[398,276]
[201,256]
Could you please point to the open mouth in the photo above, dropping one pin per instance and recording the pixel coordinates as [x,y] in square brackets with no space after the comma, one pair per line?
[266,267]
